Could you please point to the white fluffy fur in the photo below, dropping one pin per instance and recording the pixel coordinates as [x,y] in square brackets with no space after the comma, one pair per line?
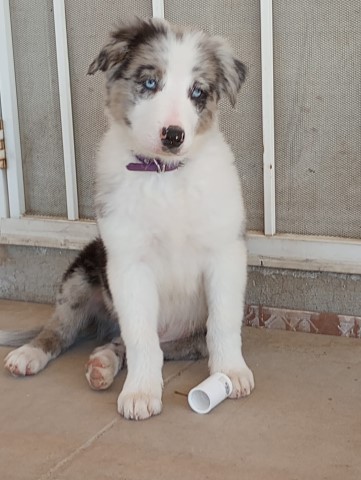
[176,254]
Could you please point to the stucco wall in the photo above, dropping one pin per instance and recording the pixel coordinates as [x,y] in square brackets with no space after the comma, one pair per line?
[33,274]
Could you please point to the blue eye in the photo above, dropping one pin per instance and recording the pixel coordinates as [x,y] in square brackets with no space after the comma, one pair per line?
[196,92]
[150,84]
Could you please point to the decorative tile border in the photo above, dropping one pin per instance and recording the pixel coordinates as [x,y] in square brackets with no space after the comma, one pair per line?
[303,321]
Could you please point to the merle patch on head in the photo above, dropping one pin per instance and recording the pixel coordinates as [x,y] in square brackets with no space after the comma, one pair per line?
[225,73]
[123,41]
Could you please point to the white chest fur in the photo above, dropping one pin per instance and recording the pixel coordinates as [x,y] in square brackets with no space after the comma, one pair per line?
[172,222]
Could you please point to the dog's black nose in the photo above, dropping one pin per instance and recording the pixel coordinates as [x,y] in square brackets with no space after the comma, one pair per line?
[172,136]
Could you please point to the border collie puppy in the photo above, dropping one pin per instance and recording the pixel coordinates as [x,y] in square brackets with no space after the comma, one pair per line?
[166,278]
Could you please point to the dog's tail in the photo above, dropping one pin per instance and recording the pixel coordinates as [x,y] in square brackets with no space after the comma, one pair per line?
[17,338]
[102,331]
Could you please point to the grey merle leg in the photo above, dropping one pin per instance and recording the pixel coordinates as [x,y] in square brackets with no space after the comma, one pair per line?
[71,315]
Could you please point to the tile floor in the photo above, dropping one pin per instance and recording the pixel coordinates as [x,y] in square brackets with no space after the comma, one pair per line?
[303,421]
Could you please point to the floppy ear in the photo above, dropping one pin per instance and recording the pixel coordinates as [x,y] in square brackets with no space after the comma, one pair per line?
[113,53]
[117,49]
[232,72]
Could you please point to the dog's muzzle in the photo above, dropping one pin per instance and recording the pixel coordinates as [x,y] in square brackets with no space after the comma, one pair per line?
[172,136]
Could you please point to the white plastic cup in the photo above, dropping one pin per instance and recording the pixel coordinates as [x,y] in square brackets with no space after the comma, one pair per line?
[208,394]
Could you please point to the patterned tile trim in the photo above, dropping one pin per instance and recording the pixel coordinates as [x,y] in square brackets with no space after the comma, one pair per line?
[303,321]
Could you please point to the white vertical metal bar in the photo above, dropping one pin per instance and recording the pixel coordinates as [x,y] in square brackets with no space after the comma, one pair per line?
[4,204]
[158,8]
[14,172]
[268,118]
[66,109]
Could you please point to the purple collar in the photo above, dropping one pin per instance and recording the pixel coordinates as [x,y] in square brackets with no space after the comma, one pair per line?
[147,164]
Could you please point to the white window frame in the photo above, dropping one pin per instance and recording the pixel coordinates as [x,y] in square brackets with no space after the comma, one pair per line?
[269,249]
[9,107]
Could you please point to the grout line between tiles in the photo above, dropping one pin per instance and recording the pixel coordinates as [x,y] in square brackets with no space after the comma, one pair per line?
[65,461]
[84,446]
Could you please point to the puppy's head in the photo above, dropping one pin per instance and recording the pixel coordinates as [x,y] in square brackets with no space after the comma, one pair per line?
[164,83]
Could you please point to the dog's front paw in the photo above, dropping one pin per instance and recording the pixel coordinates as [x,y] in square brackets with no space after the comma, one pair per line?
[139,405]
[26,360]
[242,382]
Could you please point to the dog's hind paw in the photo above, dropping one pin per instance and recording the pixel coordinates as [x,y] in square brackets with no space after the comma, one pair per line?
[242,382]
[139,406]
[102,367]
[26,360]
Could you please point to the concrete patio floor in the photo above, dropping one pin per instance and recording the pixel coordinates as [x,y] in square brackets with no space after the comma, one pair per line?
[302,422]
